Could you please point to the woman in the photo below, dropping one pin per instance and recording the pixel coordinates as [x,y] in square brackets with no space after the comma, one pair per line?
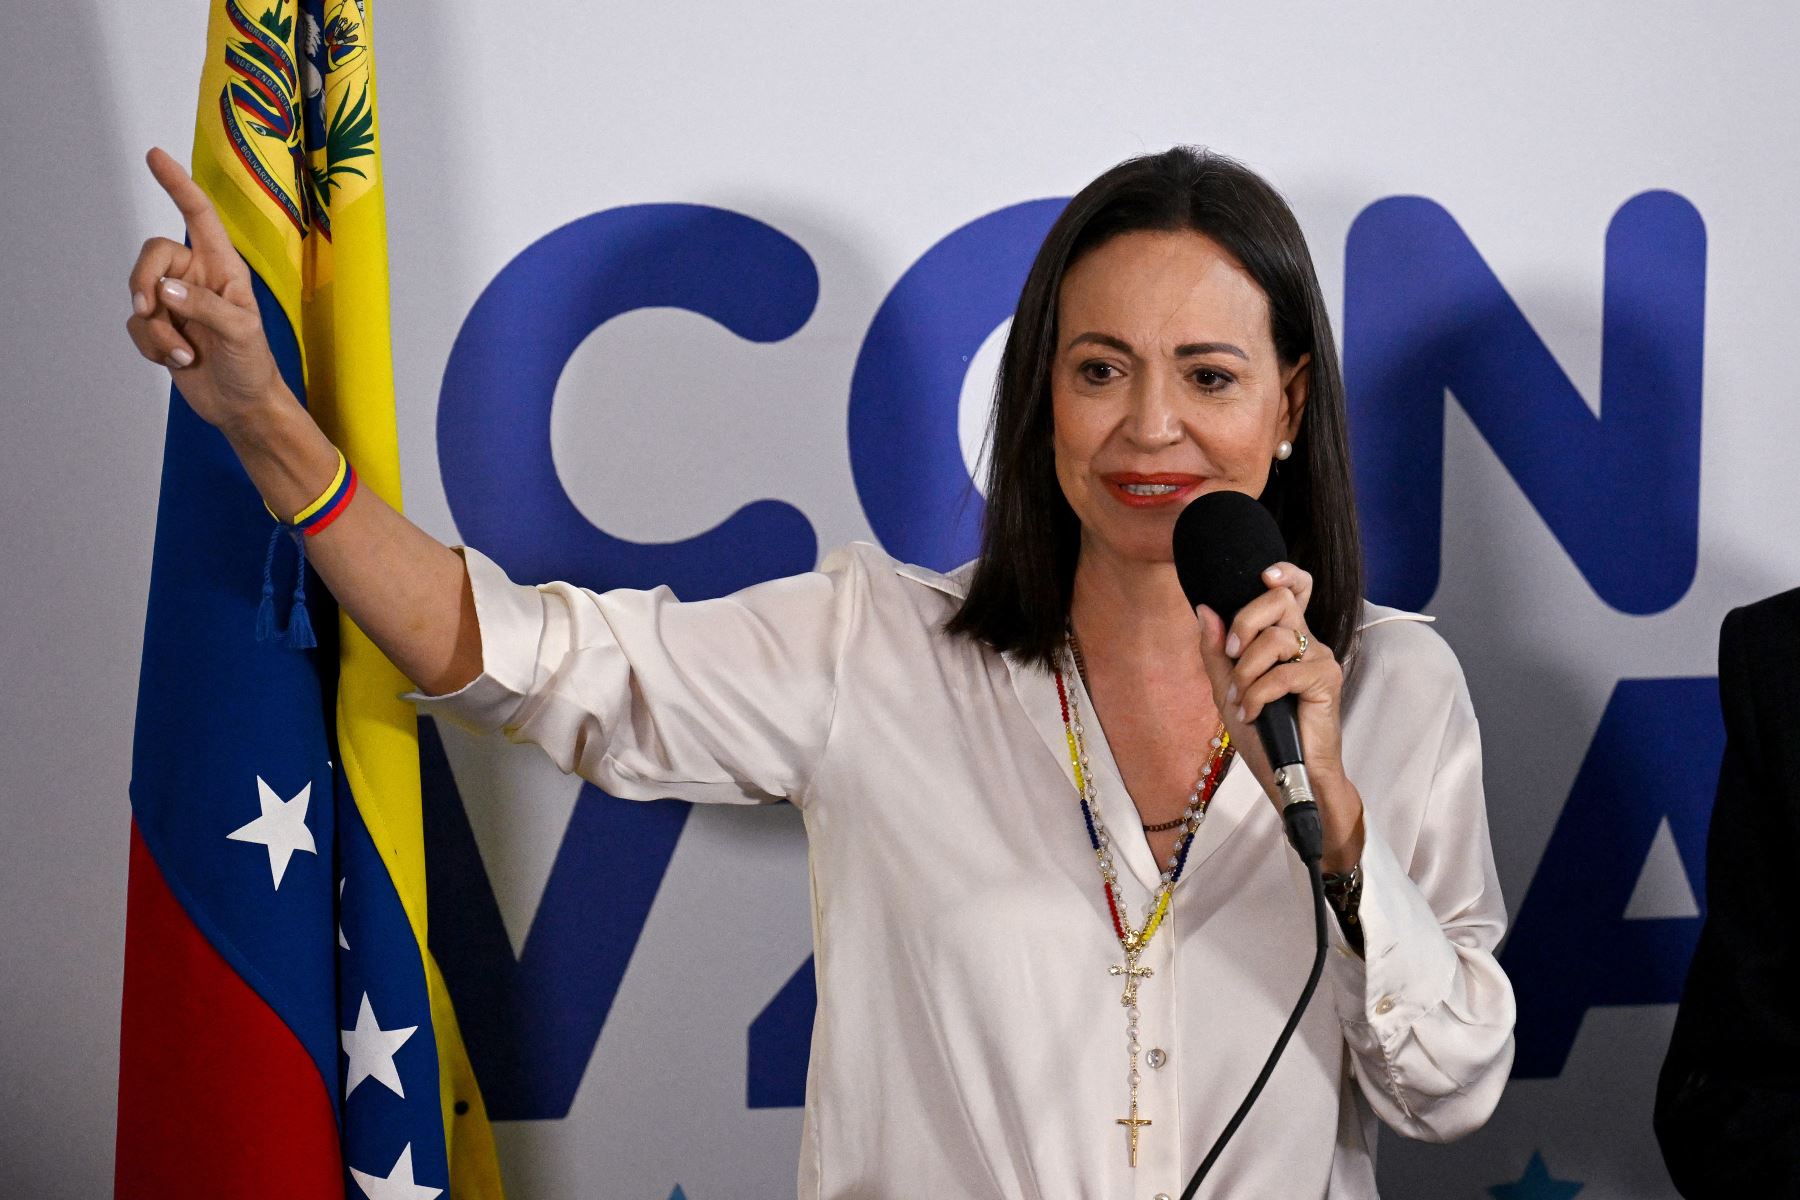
[1057,923]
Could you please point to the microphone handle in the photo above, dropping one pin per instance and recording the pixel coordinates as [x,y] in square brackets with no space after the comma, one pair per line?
[1278,727]
[1278,724]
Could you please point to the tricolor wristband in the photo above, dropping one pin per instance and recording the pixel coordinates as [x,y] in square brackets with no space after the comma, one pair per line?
[330,504]
[308,521]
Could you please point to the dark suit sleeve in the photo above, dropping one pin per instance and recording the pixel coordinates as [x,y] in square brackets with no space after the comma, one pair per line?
[1728,1100]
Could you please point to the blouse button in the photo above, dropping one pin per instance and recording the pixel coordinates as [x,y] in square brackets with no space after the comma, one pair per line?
[1384,1006]
[1162,1196]
[1156,1057]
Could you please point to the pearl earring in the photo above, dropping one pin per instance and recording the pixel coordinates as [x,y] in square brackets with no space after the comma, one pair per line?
[1282,450]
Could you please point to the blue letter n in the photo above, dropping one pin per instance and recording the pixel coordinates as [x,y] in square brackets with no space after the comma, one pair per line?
[1423,315]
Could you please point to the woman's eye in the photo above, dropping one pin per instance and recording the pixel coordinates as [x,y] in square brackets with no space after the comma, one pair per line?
[1211,380]
[1098,372]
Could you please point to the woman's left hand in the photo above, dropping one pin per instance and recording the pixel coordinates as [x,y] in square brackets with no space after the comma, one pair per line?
[1259,660]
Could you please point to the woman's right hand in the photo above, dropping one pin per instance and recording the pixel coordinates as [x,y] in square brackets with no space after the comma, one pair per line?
[407,592]
[193,310]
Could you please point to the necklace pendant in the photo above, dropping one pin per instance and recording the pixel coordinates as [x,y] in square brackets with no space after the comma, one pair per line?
[1132,941]
[1133,1124]
[1131,973]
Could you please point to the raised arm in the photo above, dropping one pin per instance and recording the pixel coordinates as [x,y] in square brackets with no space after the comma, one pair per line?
[193,312]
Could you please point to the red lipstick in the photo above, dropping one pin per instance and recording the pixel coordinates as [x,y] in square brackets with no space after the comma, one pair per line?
[1157,490]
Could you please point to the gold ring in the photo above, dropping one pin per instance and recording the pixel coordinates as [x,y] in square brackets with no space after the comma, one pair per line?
[1305,642]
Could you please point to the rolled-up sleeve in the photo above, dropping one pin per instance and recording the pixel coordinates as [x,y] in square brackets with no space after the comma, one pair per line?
[1426,1009]
[725,700]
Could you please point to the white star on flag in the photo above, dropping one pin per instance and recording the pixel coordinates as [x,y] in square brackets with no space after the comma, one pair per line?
[371,1049]
[281,828]
[399,1183]
[342,944]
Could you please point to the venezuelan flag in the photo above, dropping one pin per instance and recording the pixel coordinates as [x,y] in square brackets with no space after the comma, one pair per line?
[285,1031]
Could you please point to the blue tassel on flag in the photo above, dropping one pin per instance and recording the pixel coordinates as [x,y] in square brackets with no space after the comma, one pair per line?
[265,611]
[299,626]
[299,632]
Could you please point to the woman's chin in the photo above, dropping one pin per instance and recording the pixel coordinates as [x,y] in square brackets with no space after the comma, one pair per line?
[1142,547]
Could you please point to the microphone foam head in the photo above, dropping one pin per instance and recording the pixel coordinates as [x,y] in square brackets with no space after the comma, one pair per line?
[1223,542]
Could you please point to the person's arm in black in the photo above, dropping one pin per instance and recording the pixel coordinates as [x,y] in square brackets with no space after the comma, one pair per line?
[1728,1100]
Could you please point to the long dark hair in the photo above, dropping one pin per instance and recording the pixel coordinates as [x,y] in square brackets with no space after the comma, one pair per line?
[1018,598]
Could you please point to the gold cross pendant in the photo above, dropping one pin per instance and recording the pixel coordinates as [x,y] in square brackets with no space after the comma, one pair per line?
[1132,973]
[1133,1123]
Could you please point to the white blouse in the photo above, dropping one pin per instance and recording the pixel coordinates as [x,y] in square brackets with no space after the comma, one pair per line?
[969,1039]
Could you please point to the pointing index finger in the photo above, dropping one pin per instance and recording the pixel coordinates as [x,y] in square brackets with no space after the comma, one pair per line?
[205,231]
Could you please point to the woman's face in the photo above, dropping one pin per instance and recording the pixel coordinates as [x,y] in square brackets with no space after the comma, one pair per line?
[1165,385]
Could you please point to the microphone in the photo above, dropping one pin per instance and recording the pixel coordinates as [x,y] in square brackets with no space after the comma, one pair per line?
[1223,543]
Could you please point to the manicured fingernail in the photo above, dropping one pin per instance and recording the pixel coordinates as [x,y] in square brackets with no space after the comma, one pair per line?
[1231,694]
[1240,713]
[1232,646]
[140,304]
[173,289]
[1273,573]
[180,356]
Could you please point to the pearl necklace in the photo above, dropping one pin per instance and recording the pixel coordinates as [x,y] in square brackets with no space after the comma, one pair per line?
[1133,940]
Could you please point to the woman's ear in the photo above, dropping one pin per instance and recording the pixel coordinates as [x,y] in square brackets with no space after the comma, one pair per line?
[1295,384]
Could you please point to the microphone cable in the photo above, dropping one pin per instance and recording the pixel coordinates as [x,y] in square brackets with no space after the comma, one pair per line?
[1293,1021]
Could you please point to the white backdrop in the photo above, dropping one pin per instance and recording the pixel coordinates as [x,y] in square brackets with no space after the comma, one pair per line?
[866,134]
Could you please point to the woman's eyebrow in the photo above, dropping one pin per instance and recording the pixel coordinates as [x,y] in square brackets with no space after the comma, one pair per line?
[1191,349]
[1186,350]
[1103,339]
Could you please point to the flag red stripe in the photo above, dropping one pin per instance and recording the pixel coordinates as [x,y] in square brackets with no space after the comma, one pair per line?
[216,1097]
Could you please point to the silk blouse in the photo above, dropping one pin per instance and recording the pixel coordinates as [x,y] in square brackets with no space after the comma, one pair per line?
[969,1040]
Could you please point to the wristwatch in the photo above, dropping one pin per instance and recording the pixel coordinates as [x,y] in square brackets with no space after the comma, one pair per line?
[1344,894]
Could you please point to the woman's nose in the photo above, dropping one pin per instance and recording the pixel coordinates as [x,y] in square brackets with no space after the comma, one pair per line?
[1155,417]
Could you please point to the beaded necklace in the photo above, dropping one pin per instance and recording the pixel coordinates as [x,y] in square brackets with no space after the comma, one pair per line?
[1133,940]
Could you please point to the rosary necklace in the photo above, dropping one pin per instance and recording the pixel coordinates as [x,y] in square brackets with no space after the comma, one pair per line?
[1132,941]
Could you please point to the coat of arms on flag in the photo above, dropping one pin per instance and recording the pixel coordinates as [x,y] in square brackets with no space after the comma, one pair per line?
[298,122]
